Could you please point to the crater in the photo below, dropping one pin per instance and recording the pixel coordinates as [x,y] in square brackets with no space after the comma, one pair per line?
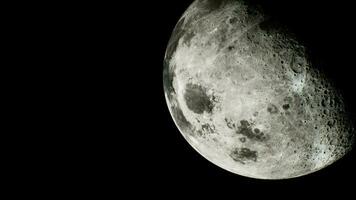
[230,48]
[207,128]
[188,37]
[230,124]
[197,100]
[246,130]
[286,106]
[243,155]
[272,109]
[233,20]
[297,68]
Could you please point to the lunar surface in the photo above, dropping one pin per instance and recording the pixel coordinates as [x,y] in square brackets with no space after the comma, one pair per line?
[243,92]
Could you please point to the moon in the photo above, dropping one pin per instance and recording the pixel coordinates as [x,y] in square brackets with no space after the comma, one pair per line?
[243,92]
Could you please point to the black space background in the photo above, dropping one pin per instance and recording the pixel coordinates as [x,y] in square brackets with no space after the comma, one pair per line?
[156,155]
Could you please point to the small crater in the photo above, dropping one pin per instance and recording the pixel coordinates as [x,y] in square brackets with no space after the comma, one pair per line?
[260,136]
[244,123]
[330,123]
[286,106]
[242,139]
[272,109]
[197,100]
[243,154]
[233,20]
[230,124]
[297,68]
[230,48]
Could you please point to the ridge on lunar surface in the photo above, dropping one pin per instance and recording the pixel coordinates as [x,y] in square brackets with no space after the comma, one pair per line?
[244,93]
